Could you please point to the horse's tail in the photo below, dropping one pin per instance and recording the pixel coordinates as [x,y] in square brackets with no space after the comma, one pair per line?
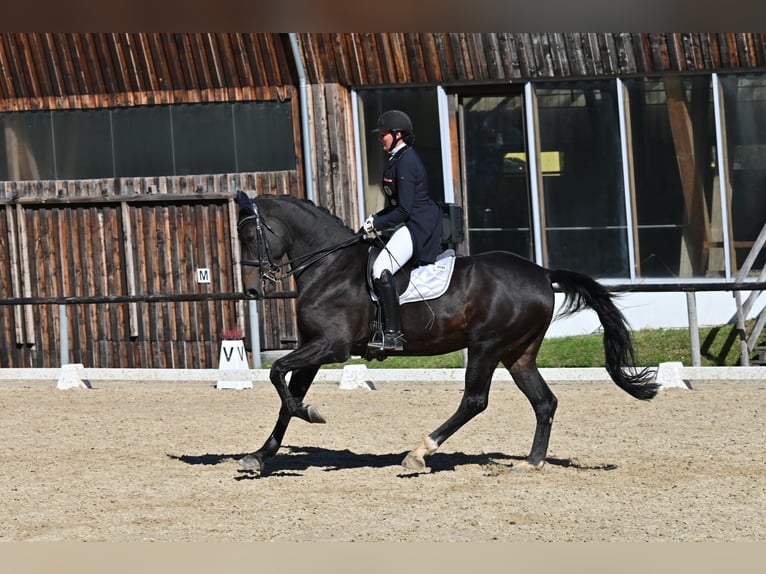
[583,291]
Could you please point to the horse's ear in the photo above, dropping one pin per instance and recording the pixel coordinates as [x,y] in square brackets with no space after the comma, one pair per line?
[246,205]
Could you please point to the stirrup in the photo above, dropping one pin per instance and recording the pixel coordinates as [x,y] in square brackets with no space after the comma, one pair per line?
[386,341]
[377,341]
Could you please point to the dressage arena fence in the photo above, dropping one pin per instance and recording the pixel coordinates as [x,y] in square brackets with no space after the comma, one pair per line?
[207,350]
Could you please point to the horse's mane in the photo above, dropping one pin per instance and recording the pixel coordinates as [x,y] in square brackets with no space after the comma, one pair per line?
[309,203]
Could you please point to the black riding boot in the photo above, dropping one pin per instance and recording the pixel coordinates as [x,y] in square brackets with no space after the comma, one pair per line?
[393,339]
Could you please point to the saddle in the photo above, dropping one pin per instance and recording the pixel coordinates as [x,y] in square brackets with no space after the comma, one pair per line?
[417,283]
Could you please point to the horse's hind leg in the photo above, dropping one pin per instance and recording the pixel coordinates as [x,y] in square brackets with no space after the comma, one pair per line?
[300,381]
[528,378]
[478,378]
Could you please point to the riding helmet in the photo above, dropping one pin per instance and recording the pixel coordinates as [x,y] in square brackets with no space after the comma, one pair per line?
[394,121]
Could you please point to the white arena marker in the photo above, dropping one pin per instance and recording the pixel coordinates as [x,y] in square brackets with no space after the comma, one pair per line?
[669,376]
[70,377]
[233,370]
[355,377]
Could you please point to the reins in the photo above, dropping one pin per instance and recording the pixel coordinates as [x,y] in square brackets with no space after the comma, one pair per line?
[320,254]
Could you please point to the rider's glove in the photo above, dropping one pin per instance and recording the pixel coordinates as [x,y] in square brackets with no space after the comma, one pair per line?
[369,225]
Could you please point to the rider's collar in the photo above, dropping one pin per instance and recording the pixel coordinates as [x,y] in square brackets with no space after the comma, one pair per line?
[400,146]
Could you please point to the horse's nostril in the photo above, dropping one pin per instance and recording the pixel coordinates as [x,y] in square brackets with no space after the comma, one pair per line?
[252,293]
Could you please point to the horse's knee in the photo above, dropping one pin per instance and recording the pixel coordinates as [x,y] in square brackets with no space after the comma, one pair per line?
[475,404]
[544,410]
[277,375]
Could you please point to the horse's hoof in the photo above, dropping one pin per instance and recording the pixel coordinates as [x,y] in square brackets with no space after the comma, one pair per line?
[251,462]
[525,465]
[416,459]
[414,462]
[314,415]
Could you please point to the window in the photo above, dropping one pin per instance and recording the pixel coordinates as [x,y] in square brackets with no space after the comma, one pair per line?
[147,141]
[203,139]
[422,107]
[264,136]
[27,146]
[83,144]
[142,141]
[496,175]
[678,208]
[583,203]
[745,105]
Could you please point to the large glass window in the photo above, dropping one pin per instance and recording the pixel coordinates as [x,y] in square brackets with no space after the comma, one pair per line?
[498,203]
[422,107]
[583,202]
[203,139]
[142,141]
[678,208]
[264,136]
[83,143]
[745,105]
[147,141]
[26,151]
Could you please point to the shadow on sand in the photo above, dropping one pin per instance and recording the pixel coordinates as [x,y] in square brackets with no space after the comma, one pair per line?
[291,460]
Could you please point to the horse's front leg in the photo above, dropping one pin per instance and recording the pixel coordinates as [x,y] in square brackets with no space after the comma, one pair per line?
[292,404]
[312,354]
[299,385]
[304,363]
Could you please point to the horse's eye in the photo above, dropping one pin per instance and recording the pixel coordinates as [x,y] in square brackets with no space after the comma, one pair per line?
[247,233]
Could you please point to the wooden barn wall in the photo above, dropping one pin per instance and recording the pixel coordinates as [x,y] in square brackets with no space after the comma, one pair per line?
[332,145]
[367,59]
[87,70]
[128,237]
[94,70]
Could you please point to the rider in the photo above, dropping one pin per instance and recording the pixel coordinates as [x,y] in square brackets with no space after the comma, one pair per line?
[410,210]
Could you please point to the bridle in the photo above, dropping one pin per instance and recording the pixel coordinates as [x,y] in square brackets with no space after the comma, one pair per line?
[271,271]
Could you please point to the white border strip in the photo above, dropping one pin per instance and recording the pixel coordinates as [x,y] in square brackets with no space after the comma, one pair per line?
[568,374]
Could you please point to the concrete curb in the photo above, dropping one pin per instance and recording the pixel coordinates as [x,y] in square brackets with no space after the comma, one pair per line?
[359,376]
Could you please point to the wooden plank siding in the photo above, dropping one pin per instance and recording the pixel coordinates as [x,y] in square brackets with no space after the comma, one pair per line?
[68,239]
[446,58]
[67,70]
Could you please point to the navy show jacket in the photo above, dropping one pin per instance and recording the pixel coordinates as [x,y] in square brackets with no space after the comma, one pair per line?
[405,186]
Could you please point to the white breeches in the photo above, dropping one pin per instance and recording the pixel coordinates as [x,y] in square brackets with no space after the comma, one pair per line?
[396,253]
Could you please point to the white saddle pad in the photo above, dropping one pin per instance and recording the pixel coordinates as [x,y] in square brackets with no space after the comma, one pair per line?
[429,281]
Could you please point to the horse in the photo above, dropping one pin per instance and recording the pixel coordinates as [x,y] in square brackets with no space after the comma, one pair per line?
[498,306]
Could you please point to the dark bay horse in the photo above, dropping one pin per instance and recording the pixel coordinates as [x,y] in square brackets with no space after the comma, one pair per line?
[498,306]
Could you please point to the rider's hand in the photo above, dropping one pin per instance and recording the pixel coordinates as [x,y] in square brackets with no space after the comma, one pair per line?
[369,225]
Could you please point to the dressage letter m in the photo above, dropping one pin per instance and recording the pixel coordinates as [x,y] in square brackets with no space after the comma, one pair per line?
[203,275]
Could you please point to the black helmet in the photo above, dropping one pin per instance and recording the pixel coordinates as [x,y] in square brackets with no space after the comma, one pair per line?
[394,120]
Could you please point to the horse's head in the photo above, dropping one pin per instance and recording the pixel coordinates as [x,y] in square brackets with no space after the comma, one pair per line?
[262,245]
